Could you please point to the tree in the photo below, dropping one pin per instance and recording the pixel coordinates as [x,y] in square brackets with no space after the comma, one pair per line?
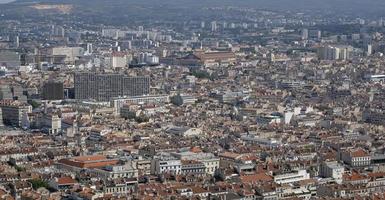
[34,104]
[142,118]
[19,169]
[177,100]
[200,74]
[38,183]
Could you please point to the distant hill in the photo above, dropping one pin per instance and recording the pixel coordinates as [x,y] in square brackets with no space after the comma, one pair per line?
[360,6]
[132,11]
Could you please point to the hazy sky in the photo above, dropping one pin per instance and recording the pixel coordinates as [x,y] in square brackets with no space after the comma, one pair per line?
[6,1]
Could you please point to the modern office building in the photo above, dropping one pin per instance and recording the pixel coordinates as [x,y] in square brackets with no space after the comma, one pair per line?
[135,86]
[10,59]
[104,87]
[6,92]
[13,112]
[19,94]
[53,90]
[85,86]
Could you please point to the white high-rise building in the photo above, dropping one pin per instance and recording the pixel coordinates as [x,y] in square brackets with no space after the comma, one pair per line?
[369,49]
[119,60]
[17,42]
[58,31]
[111,32]
[214,26]
[337,52]
[304,34]
[148,58]
[224,25]
[1,118]
[89,48]
[25,122]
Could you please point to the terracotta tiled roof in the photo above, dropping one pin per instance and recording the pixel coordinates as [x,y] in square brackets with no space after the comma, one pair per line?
[196,150]
[256,178]
[90,158]
[197,190]
[229,155]
[359,153]
[65,181]
[353,177]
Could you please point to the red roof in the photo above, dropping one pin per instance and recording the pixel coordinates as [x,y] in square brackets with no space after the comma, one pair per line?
[256,178]
[359,153]
[65,181]
[196,150]
[90,158]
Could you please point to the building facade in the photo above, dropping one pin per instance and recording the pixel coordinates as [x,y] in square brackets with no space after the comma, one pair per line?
[291,177]
[1,118]
[13,112]
[53,91]
[104,87]
[355,157]
[332,170]
[337,52]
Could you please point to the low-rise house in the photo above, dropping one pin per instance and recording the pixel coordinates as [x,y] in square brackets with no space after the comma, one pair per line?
[63,183]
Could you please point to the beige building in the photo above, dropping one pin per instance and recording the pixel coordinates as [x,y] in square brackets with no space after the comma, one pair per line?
[71,53]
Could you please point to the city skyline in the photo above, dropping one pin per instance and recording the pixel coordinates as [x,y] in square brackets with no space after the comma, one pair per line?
[192,99]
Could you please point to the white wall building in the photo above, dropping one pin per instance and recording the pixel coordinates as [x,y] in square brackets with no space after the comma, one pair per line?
[166,163]
[118,61]
[210,161]
[355,157]
[291,177]
[332,170]
[338,52]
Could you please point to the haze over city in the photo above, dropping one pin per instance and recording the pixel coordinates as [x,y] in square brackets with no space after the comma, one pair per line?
[6,1]
[192,99]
